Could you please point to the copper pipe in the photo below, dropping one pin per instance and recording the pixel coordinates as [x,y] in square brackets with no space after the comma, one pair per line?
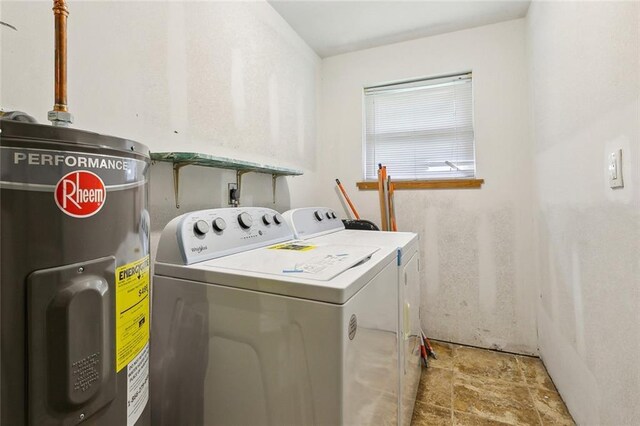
[60,13]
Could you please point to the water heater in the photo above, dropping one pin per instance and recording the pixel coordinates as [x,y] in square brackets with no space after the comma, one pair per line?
[74,277]
[74,268]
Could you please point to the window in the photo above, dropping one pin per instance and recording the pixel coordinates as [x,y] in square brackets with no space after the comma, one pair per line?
[420,129]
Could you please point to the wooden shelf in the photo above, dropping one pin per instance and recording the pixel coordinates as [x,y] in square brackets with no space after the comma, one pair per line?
[426,184]
[182,159]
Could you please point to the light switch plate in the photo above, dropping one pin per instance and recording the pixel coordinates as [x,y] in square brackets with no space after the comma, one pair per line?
[615,169]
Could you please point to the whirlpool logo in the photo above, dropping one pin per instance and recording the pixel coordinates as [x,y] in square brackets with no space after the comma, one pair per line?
[198,249]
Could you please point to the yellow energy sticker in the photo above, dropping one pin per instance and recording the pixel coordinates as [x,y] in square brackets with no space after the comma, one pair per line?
[293,246]
[132,310]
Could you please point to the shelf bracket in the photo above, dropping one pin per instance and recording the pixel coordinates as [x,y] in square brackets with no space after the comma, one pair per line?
[274,178]
[239,174]
[176,182]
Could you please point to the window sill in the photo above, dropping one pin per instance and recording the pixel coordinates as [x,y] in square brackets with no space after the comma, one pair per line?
[426,184]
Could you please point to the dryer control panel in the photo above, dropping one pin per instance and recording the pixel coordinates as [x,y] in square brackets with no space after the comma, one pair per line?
[208,234]
[311,222]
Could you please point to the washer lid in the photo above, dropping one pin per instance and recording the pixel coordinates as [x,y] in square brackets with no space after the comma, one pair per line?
[297,259]
[262,270]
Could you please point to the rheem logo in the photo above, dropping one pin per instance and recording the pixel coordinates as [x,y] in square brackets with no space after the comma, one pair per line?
[80,194]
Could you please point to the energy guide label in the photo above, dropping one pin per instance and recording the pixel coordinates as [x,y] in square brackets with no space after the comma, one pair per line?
[294,245]
[132,311]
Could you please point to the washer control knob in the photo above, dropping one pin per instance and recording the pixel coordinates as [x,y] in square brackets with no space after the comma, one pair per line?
[266,219]
[333,215]
[201,227]
[245,220]
[318,215]
[219,224]
[277,218]
[328,215]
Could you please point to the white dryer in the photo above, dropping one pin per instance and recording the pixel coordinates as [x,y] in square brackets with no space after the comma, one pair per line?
[321,225]
[250,327]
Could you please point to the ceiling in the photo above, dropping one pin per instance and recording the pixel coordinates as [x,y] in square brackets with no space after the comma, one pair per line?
[335,27]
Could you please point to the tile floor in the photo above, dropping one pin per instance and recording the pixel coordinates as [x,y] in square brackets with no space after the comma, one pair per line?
[470,386]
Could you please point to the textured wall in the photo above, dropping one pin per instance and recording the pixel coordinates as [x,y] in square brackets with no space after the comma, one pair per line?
[585,86]
[223,78]
[477,245]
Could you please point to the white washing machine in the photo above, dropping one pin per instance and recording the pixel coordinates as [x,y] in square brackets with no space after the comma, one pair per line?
[250,327]
[322,226]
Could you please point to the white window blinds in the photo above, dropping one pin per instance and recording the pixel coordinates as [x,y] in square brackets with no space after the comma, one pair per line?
[420,129]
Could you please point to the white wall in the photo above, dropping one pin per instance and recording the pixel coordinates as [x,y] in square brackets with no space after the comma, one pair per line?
[585,86]
[477,281]
[224,78]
